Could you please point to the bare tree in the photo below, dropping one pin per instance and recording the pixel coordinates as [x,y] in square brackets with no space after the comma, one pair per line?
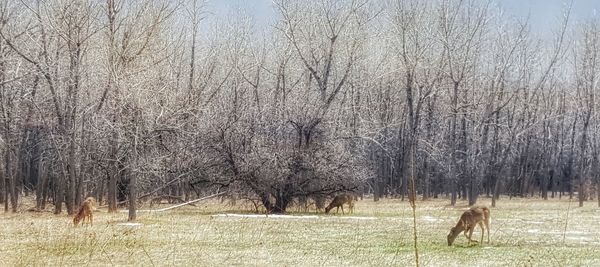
[122,101]
[586,69]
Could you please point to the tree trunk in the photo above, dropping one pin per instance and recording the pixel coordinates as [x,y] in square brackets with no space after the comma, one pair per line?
[266,201]
[544,186]
[132,175]
[281,204]
[426,181]
[113,172]
[9,173]
[59,193]
[132,196]
[598,193]
[5,184]
[473,191]
[4,192]
[12,187]
[72,182]
[46,187]
[453,192]
[376,190]
[40,187]
[581,193]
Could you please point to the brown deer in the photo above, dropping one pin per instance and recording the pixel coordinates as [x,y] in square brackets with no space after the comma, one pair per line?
[468,220]
[85,211]
[339,201]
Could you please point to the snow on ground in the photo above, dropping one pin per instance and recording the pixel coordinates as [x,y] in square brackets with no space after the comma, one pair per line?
[351,218]
[429,219]
[282,216]
[130,224]
[275,216]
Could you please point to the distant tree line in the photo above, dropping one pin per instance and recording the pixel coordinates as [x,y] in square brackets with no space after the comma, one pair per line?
[133,100]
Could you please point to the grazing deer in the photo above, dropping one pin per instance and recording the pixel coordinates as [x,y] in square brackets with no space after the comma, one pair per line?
[468,220]
[85,211]
[339,201]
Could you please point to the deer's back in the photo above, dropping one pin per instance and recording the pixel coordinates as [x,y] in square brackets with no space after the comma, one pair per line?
[473,216]
[341,199]
[484,211]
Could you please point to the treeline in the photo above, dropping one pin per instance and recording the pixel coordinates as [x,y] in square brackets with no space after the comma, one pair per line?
[154,99]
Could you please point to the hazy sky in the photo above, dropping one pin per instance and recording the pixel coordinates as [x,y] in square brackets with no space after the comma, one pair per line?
[544,13]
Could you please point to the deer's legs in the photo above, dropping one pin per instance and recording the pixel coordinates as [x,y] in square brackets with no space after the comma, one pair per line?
[487,228]
[467,236]
[482,232]
[471,234]
[470,230]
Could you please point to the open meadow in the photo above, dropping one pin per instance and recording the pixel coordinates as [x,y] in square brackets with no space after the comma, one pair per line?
[523,233]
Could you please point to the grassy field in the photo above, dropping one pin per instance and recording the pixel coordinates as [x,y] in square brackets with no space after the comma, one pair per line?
[523,233]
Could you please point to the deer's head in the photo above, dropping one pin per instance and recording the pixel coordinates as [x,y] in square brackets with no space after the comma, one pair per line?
[452,235]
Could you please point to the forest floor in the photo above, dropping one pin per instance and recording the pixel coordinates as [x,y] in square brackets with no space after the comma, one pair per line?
[523,233]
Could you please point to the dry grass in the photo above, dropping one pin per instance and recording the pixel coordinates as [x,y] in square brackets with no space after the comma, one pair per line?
[523,233]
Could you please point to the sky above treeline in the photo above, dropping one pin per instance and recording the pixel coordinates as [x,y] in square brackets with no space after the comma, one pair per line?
[544,14]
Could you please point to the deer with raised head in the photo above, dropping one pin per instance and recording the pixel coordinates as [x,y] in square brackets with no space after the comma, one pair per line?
[339,201]
[468,220]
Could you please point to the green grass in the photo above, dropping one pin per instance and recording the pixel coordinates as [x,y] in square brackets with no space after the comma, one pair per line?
[523,233]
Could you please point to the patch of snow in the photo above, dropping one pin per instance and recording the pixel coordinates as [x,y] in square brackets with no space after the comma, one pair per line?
[277,216]
[281,216]
[533,231]
[126,211]
[429,219]
[577,232]
[580,238]
[130,224]
[351,217]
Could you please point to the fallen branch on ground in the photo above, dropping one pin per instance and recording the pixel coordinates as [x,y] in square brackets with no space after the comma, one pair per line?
[182,204]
